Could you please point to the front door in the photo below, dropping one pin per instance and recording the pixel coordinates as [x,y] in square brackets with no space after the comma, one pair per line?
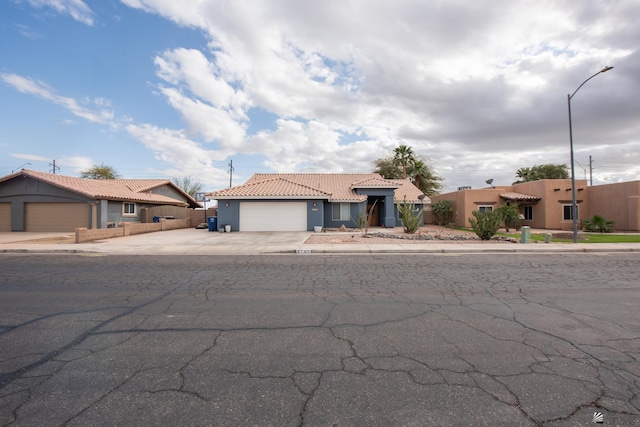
[374,219]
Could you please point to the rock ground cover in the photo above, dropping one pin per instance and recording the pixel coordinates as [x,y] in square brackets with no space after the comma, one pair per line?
[426,234]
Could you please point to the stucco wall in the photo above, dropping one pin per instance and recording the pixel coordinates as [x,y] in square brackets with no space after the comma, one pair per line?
[547,212]
[554,194]
[617,202]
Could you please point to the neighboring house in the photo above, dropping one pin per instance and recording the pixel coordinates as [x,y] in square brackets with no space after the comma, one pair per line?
[300,202]
[39,201]
[546,203]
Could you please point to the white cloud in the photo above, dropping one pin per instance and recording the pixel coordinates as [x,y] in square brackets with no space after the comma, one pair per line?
[488,77]
[42,90]
[477,87]
[183,154]
[33,157]
[77,9]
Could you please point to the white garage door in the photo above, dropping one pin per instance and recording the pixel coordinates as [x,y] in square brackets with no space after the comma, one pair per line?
[273,216]
[5,216]
[56,216]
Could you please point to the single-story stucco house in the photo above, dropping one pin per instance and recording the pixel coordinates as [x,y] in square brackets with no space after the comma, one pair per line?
[40,201]
[546,203]
[300,201]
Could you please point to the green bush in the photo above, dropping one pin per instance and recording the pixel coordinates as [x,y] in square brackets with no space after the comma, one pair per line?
[486,223]
[442,210]
[598,224]
[411,218]
[510,216]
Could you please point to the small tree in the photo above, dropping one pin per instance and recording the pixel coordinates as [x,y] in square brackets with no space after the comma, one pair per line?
[410,216]
[510,216]
[100,171]
[364,220]
[442,209]
[486,223]
[188,184]
[598,224]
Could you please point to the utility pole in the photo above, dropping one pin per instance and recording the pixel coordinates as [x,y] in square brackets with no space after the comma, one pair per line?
[55,168]
[230,173]
[590,171]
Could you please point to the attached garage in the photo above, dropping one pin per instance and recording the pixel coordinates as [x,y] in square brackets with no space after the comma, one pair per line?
[43,217]
[273,216]
[5,217]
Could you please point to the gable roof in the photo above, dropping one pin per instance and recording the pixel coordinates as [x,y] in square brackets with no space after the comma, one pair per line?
[134,190]
[271,188]
[331,187]
[413,193]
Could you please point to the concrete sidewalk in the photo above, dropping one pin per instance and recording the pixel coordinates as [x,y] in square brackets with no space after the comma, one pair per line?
[203,242]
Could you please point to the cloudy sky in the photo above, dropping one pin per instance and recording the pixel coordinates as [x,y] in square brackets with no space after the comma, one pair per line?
[164,88]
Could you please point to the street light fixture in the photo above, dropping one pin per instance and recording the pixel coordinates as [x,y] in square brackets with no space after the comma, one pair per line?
[574,205]
[20,167]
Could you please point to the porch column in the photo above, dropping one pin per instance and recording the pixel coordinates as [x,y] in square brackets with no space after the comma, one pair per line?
[389,212]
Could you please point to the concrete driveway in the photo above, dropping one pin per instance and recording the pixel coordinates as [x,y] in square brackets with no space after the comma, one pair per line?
[185,241]
[190,241]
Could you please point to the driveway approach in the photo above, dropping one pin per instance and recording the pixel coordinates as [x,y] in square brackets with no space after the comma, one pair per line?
[510,339]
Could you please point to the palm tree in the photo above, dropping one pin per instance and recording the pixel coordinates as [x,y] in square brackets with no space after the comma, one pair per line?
[403,156]
[424,177]
[547,171]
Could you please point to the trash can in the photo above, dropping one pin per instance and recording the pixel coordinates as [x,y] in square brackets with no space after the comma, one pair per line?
[157,218]
[526,234]
[213,223]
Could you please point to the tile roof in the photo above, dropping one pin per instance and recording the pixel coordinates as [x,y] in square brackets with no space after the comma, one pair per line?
[519,197]
[275,187]
[332,187]
[135,190]
[412,192]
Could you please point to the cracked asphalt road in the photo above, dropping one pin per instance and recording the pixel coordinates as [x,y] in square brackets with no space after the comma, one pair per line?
[320,340]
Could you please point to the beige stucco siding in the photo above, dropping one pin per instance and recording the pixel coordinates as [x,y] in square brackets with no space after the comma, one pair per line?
[617,202]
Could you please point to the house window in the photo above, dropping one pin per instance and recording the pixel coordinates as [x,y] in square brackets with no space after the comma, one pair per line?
[340,212]
[485,208]
[566,212]
[528,213]
[128,208]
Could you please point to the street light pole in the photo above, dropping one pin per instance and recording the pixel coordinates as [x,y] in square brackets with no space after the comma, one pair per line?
[574,205]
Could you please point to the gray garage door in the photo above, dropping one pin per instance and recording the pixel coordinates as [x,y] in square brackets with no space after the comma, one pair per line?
[56,216]
[273,216]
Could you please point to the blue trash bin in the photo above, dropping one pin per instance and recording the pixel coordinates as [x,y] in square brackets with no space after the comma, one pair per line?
[213,223]
[157,218]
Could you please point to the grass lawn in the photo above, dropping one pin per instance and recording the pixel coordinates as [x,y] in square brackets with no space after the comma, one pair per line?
[582,237]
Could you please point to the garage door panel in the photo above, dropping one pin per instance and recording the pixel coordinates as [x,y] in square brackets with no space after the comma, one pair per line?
[273,216]
[43,217]
[5,217]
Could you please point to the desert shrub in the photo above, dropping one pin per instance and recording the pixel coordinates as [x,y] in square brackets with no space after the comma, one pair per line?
[598,224]
[442,210]
[510,216]
[411,217]
[486,223]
